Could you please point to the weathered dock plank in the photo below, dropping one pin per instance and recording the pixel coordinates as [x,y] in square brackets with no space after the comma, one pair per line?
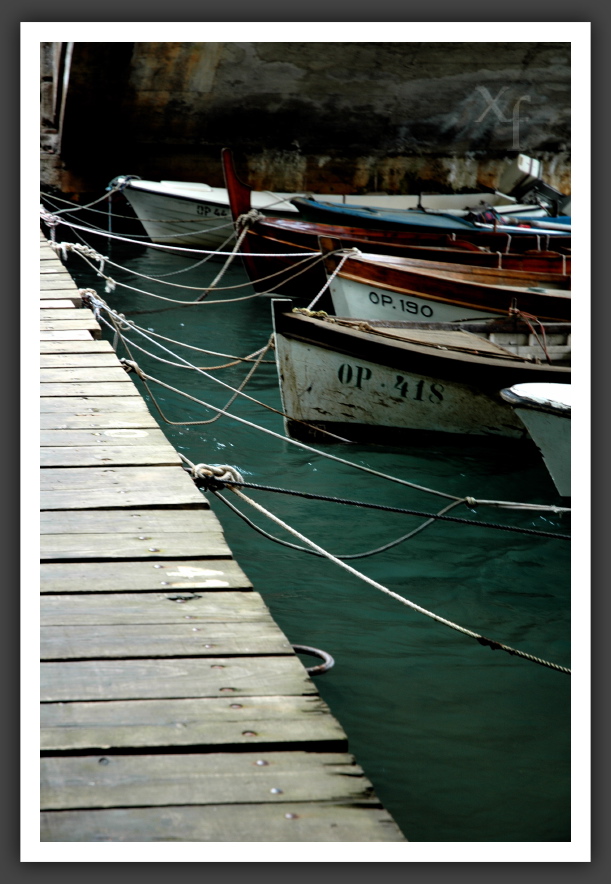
[138,576]
[83,488]
[56,303]
[66,390]
[153,679]
[211,722]
[155,648]
[50,281]
[63,359]
[202,521]
[82,406]
[52,323]
[114,455]
[73,314]
[137,534]
[215,778]
[48,299]
[152,608]
[289,822]
[95,642]
[79,438]
[99,374]
[98,547]
[53,265]
[92,420]
[89,345]
[69,334]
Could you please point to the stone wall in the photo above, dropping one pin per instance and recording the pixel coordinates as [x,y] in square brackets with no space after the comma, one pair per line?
[398,117]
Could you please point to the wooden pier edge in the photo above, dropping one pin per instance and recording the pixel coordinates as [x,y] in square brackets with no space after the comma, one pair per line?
[173,708]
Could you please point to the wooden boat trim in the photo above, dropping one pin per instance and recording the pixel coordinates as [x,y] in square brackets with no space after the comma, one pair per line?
[551,305]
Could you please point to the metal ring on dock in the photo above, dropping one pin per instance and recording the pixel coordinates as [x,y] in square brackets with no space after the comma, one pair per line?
[315,652]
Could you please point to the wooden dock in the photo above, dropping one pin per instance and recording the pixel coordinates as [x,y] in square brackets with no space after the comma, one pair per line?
[173,708]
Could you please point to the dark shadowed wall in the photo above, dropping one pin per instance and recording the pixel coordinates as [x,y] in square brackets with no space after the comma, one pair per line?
[397,117]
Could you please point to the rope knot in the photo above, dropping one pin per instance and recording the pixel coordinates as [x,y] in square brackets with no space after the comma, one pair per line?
[90,299]
[248,217]
[130,365]
[213,477]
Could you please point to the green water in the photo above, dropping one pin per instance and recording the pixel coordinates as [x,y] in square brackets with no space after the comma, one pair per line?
[461,743]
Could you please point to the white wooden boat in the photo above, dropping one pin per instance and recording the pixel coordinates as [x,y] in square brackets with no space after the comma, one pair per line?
[545,411]
[196,215]
[191,214]
[380,381]
[374,286]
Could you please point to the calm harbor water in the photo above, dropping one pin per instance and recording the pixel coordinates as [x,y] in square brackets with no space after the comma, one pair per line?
[461,743]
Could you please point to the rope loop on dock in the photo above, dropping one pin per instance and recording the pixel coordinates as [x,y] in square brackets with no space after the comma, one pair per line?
[130,365]
[213,477]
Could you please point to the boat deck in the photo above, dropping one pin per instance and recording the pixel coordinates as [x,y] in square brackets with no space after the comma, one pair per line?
[173,708]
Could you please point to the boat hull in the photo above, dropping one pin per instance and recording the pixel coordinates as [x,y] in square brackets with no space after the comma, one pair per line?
[361,387]
[371,287]
[271,246]
[190,221]
[548,422]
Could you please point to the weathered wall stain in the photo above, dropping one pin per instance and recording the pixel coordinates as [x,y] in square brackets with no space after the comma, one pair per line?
[397,117]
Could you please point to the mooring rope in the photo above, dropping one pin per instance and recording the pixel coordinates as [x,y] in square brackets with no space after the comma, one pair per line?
[131,365]
[231,474]
[348,253]
[85,252]
[98,304]
[475,501]
[225,266]
[92,228]
[52,221]
[237,392]
[468,501]
[313,552]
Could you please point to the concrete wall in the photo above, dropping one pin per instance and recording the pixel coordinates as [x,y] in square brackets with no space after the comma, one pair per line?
[320,116]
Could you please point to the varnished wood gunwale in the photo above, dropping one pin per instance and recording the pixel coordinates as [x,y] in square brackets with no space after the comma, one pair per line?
[454,288]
